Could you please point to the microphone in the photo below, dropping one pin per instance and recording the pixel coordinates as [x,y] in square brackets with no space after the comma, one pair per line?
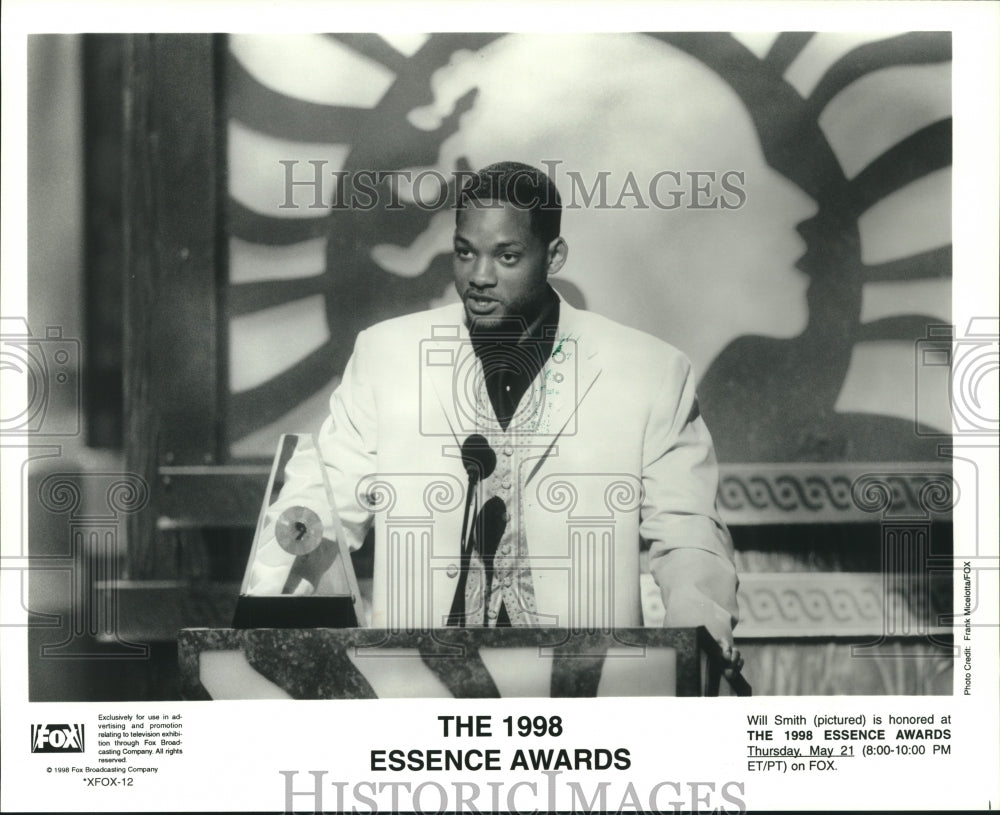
[479,461]
[478,458]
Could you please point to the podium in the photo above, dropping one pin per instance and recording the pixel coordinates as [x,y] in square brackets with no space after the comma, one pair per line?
[299,579]
[367,663]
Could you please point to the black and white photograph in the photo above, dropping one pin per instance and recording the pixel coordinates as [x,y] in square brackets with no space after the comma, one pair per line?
[428,411]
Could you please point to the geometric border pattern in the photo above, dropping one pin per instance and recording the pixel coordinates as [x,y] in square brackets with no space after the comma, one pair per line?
[805,605]
[751,494]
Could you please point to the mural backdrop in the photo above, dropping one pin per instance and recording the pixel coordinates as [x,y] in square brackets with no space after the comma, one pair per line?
[777,206]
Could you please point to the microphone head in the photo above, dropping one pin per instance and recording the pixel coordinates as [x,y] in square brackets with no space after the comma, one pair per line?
[478,457]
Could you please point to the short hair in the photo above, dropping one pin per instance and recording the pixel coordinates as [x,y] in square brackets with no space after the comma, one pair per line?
[522,186]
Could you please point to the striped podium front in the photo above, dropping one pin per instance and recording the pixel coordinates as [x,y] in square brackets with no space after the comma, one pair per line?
[363,663]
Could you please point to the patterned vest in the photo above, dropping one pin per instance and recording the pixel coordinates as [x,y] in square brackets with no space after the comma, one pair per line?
[499,587]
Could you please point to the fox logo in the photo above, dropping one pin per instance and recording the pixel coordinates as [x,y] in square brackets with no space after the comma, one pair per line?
[57,738]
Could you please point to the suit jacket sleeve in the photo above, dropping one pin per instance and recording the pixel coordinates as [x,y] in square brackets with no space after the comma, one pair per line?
[347,443]
[691,552]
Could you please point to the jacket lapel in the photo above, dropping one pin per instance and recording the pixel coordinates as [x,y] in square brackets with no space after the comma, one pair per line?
[450,370]
[571,374]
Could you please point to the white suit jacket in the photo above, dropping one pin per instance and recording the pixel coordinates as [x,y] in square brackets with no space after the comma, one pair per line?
[618,453]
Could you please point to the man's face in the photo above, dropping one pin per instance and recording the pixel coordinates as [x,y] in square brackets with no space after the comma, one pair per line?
[501,266]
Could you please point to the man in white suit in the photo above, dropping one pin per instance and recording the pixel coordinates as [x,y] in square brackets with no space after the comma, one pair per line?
[512,451]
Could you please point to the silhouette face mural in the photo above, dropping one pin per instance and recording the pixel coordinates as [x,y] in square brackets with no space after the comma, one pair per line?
[661,244]
[703,203]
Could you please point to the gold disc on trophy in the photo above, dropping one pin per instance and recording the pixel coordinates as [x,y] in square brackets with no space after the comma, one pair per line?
[298,530]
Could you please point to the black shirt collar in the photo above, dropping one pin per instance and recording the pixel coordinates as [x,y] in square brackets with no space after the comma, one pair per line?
[513,354]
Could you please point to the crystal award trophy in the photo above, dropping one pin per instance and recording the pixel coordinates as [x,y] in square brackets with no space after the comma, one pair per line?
[299,574]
